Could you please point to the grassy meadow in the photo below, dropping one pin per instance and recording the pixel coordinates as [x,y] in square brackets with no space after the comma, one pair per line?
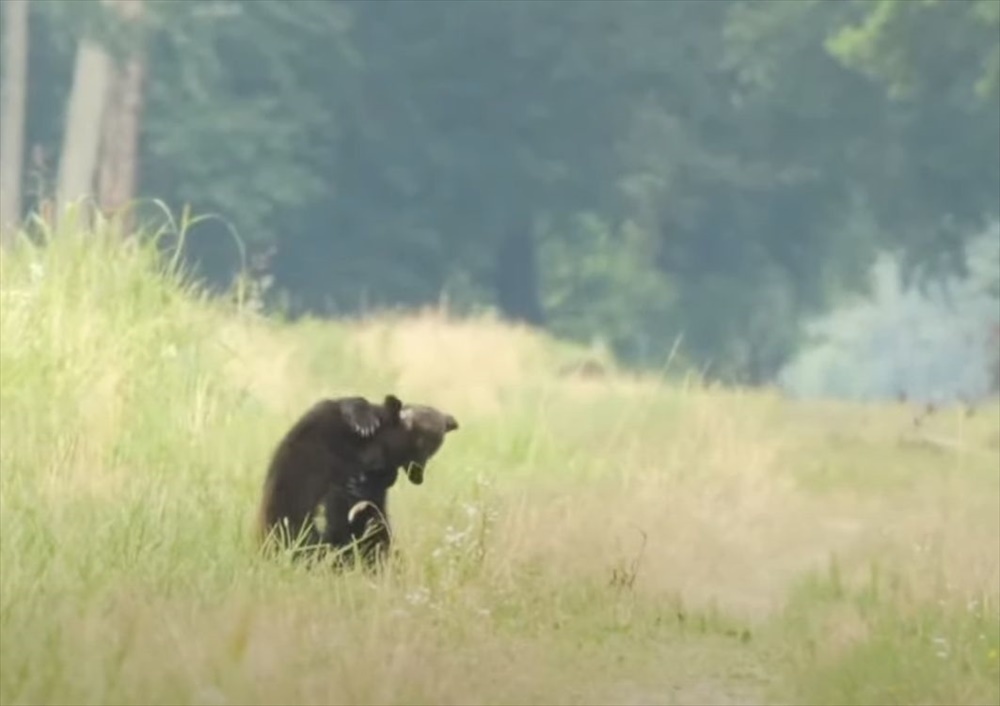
[580,540]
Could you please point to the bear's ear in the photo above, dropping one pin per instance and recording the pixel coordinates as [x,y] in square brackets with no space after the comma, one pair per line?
[393,406]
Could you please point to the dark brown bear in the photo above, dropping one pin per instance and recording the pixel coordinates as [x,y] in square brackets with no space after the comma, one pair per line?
[417,438]
[345,454]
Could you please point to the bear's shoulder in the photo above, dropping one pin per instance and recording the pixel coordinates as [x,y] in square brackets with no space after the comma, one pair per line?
[349,419]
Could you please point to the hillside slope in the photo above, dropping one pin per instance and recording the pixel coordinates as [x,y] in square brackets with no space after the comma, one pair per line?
[582,539]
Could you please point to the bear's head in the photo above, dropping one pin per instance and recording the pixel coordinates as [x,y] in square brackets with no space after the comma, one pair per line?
[415,433]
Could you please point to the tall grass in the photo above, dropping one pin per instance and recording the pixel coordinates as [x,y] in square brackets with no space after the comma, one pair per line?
[617,540]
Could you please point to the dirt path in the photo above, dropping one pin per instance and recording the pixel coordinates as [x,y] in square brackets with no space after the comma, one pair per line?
[706,671]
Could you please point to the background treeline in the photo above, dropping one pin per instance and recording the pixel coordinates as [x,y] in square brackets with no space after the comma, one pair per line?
[713,173]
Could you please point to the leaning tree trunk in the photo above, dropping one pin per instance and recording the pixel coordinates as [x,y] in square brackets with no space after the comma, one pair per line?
[13,89]
[119,157]
[84,119]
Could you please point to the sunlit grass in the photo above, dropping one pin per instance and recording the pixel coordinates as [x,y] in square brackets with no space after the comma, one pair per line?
[607,540]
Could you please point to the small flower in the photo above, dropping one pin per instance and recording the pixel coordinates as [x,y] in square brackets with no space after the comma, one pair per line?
[418,596]
[483,482]
[452,536]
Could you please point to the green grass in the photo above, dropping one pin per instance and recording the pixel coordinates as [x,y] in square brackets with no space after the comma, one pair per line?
[874,643]
[610,540]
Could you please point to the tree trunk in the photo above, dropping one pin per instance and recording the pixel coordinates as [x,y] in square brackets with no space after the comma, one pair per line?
[516,275]
[119,159]
[13,90]
[84,117]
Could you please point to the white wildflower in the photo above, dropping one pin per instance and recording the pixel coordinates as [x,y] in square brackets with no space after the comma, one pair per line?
[418,596]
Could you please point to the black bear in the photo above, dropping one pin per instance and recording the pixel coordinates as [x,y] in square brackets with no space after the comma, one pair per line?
[409,443]
[341,457]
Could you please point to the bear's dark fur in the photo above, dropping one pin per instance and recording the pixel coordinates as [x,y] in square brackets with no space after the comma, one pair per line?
[345,454]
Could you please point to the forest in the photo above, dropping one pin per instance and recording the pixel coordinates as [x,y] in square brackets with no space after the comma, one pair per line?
[711,288]
[685,180]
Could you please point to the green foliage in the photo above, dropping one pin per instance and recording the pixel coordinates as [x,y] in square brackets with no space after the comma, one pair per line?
[374,155]
[890,43]
[244,76]
[935,173]
[877,643]
[595,279]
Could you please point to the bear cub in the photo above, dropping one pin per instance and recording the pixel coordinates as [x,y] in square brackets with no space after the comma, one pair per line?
[341,457]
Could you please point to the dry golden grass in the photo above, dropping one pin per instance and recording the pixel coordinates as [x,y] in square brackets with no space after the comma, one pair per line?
[794,552]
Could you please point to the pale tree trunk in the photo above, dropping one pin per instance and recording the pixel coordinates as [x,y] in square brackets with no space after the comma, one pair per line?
[84,115]
[119,157]
[13,89]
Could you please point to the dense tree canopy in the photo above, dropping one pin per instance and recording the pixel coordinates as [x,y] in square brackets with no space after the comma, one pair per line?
[637,170]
